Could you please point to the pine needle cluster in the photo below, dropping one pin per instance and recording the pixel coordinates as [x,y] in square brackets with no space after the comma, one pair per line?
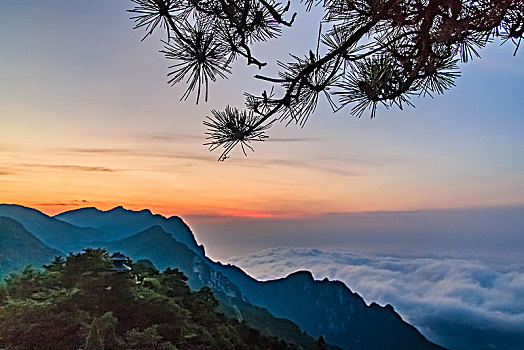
[368,53]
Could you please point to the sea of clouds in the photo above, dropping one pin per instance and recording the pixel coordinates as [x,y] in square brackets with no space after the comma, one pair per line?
[457,303]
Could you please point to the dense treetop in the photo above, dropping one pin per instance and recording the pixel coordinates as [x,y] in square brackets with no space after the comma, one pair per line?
[80,303]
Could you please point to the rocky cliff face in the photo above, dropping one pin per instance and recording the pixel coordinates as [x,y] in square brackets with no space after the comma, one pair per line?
[330,309]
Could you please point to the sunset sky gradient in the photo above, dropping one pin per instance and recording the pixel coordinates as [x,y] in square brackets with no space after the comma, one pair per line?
[87,119]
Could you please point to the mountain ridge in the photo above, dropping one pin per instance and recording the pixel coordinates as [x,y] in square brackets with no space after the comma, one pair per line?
[52,232]
[119,222]
[262,293]
[332,309]
[324,299]
[18,247]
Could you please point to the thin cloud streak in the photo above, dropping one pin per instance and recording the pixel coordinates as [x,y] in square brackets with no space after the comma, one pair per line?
[352,215]
[94,150]
[6,172]
[339,165]
[333,164]
[165,136]
[308,166]
[82,202]
[377,161]
[302,165]
[168,154]
[296,164]
[70,167]
[294,139]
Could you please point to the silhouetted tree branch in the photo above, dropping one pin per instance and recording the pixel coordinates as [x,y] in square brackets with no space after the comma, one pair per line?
[368,53]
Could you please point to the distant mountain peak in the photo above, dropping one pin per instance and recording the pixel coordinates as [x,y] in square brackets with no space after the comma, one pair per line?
[386,307]
[53,232]
[21,208]
[155,229]
[154,233]
[117,209]
[301,275]
[81,210]
[122,209]
[119,222]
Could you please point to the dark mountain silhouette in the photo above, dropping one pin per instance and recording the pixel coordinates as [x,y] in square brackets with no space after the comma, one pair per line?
[18,247]
[333,311]
[321,308]
[119,223]
[52,232]
[165,251]
[160,247]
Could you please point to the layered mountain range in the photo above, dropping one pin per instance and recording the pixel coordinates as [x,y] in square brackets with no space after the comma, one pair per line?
[288,308]
[18,247]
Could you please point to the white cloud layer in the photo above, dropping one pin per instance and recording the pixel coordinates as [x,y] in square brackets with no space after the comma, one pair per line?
[458,303]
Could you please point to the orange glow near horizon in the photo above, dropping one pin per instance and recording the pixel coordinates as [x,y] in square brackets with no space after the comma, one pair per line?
[55,209]
[262,213]
[181,178]
[57,179]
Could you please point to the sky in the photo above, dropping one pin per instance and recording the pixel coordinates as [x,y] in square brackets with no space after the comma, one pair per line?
[88,120]
[493,235]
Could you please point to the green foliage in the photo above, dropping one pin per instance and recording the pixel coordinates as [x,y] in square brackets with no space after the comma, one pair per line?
[144,268]
[205,298]
[148,339]
[3,293]
[90,262]
[94,339]
[79,302]
[24,284]
[107,324]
